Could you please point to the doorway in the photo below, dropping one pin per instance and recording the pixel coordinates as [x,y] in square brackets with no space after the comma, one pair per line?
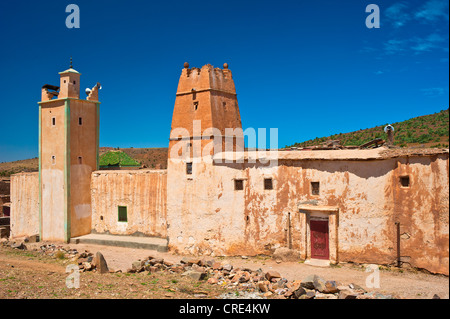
[319,239]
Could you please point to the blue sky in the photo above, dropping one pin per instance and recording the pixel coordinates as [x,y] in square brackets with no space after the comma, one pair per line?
[308,68]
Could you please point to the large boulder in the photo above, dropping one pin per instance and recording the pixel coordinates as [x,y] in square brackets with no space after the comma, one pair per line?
[100,263]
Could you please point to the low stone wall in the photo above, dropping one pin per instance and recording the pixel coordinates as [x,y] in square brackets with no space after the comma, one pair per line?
[24,204]
[142,192]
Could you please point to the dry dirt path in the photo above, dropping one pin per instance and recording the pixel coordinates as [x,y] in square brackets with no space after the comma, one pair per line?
[406,284]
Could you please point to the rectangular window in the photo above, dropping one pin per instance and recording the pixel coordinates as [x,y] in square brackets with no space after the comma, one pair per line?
[53,160]
[80,160]
[268,183]
[80,121]
[196,105]
[53,121]
[404,181]
[123,214]
[238,184]
[315,188]
[189,168]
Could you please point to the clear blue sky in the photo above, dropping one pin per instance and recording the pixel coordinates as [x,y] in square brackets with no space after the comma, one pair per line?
[309,68]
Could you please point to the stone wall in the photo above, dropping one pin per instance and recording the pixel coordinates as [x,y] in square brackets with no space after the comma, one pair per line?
[142,192]
[24,204]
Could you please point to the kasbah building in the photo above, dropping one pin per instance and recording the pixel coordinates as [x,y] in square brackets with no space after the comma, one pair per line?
[381,205]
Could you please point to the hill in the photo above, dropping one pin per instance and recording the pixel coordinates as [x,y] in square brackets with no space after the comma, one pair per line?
[117,159]
[155,158]
[149,157]
[423,131]
[28,165]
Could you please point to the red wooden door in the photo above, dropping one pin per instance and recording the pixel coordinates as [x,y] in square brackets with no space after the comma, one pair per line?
[319,239]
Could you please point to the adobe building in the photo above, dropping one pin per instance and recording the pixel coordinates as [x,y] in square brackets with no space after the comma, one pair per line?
[381,205]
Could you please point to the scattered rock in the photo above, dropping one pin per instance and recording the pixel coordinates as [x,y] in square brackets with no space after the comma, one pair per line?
[156,261]
[272,274]
[227,267]
[87,266]
[319,284]
[320,295]
[19,246]
[357,288]
[212,281]
[100,263]
[196,275]
[138,265]
[330,287]
[347,294]
[190,261]
[216,266]
[262,286]
[310,294]
[299,292]
[308,282]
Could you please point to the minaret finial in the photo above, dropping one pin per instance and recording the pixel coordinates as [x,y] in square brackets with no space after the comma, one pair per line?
[71,63]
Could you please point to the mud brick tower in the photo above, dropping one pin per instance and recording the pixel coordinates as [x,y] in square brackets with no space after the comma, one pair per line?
[68,153]
[206,104]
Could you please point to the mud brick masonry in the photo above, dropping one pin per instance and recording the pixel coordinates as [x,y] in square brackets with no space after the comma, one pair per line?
[382,205]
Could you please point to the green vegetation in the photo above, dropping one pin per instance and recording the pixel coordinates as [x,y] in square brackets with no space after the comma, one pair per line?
[430,130]
[117,158]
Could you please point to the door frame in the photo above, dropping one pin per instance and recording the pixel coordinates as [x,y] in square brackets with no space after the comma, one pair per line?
[331,213]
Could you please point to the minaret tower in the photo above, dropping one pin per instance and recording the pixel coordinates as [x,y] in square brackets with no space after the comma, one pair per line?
[205,97]
[68,153]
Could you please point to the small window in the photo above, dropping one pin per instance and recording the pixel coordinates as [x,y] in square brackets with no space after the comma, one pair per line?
[195,105]
[315,188]
[404,181]
[53,121]
[80,160]
[224,104]
[53,159]
[189,168]
[123,214]
[268,183]
[74,82]
[238,184]
[80,121]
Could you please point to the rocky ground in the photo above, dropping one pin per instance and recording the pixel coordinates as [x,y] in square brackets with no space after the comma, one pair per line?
[38,270]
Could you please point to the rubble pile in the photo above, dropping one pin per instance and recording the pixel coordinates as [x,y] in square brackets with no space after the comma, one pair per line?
[86,260]
[263,284]
[244,282]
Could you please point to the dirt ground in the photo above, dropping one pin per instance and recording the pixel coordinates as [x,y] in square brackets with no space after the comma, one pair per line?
[31,275]
[27,274]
